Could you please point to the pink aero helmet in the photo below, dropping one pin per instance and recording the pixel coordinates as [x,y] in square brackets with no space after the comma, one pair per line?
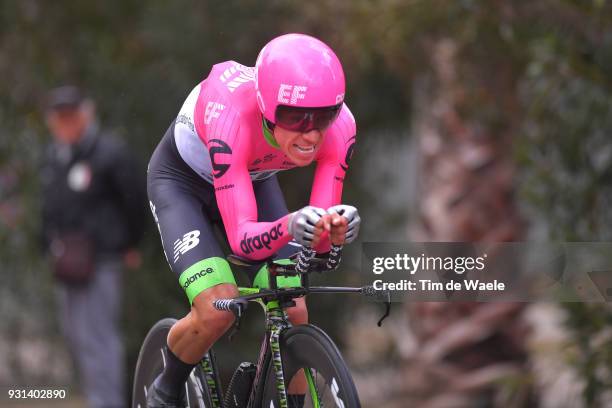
[297,70]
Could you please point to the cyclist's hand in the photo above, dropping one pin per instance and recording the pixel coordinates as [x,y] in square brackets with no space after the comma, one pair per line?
[306,224]
[352,217]
[339,228]
[324,225]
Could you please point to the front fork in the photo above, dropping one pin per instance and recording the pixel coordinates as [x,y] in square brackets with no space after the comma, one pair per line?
[277,322]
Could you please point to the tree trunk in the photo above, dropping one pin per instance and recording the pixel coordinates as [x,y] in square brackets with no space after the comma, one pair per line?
[466,172]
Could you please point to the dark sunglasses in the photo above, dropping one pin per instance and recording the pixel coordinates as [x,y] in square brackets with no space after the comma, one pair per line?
[304,120]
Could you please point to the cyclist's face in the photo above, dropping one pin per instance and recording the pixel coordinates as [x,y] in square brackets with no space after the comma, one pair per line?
[300,148]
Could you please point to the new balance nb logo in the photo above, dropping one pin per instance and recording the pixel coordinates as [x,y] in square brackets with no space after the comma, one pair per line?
[182,245]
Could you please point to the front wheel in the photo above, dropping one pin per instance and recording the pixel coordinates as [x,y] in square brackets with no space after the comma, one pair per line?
[151,362]
[329,383]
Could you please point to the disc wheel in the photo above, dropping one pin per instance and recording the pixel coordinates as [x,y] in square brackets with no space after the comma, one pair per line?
[308,352]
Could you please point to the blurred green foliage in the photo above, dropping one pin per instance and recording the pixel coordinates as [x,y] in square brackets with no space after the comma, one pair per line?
[566,157]
[138,61]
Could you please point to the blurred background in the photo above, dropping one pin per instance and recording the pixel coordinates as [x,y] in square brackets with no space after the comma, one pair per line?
[477,121]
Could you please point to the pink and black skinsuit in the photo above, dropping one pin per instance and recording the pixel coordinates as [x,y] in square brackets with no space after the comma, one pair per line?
[216,165]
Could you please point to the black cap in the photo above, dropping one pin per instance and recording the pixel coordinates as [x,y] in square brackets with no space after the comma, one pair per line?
[64,97]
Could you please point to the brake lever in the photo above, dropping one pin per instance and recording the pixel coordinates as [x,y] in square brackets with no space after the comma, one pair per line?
[387,309]
[370,291]
[237,321]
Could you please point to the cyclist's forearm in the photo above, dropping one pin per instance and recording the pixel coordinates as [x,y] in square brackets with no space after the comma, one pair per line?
[259,240]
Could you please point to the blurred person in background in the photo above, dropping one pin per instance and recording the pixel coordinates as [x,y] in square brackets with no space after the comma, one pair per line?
[92,217]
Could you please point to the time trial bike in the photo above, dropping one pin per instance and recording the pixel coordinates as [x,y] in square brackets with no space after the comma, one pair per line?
[287,352]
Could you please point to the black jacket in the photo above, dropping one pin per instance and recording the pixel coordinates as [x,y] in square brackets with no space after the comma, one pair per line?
[95,187]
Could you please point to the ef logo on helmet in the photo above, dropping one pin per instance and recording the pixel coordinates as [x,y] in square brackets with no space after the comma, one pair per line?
[290,94]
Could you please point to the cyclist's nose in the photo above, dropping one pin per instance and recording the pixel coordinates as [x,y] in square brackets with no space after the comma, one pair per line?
[313,136]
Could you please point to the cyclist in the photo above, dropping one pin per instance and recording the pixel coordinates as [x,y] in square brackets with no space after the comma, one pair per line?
[217,164]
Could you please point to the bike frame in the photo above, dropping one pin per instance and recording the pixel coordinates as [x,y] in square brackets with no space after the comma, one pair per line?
[273,301]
